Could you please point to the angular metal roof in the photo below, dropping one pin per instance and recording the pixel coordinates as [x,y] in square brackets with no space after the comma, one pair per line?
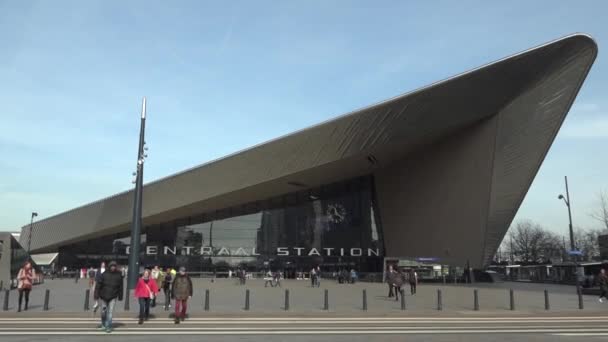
[338,149]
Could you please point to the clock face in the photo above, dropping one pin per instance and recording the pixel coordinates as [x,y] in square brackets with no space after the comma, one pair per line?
[336,213]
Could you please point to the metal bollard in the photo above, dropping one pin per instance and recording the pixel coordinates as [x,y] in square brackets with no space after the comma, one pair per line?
[365,300]
[47,294]
[326,300]
[580,299]
[402,299]
[207,300]
[511,300]
[475,300]
[547,307]
[87,294]
[247,299]
[5,305]
[439,300]
[127,304]
[286,300]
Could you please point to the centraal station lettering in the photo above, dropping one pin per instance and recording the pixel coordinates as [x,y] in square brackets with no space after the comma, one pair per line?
[240,251]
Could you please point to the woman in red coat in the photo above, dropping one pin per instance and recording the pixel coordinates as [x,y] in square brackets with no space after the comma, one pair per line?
[145,291]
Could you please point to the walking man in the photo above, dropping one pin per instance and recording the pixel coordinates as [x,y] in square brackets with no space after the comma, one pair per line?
[181,292]
[389,279]
[108,289]
[603,281]
[413,277]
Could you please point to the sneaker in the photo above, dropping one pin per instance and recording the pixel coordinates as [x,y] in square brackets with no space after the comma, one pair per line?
[600,300]
[101,327]
[109,329]
[141,321]
[176,321]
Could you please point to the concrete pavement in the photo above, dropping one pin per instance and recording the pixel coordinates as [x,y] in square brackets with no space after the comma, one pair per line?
[226,298]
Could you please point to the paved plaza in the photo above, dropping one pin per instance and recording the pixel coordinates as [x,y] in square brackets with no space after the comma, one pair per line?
[227,297]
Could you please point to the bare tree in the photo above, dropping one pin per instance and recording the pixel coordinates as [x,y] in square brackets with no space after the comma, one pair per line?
[586,240]
[601,212]
[529,242]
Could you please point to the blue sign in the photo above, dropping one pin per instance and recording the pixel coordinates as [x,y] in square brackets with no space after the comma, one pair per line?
[427,259]
[575,253]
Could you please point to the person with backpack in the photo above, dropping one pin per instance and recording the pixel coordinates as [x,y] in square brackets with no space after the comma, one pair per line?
[181,291]
[109,288]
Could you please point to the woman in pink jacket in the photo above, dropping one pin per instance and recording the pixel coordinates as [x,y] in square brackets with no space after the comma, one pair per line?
[145,291]
[25,279]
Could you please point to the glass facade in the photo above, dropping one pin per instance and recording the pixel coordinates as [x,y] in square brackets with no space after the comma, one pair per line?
[333,226]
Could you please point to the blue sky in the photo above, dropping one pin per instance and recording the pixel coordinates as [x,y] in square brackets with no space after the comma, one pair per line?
[222,76]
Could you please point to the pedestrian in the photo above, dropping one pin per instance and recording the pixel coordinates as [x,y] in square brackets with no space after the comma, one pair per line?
[353,276]
[277,278]
[109,287]
[389,280]
[167,288]
[25,281]
[145,292]
[98,273]
[603,282]
[318,278]
[91,276]
[398,281]
[268,279]
[413,279]
[156,274]
[181,291]
[313,277]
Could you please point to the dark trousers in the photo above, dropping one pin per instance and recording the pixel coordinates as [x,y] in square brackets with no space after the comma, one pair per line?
[413,288]
[602,294]
[390,290]
[144,308]
[167,292]
[398,292]
[27,297]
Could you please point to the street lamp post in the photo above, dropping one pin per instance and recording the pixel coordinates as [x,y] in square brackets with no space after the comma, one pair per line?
[29,239]
[133,271]
[572,247]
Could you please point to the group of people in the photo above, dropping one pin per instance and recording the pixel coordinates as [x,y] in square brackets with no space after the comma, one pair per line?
[109,288]
[396,278]
[344,276]
[315,277]
[273,278]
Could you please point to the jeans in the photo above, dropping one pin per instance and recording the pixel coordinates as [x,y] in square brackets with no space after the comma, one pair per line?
[107,308]
[183,304]
[144,308]
[27,297]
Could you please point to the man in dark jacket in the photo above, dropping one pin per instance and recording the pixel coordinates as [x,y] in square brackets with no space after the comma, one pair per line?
[603,282]
[181,290]
[108,289]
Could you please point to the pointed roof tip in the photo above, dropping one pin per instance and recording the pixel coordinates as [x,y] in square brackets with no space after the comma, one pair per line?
[583,37]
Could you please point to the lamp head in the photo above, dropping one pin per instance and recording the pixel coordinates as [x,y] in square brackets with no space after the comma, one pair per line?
[560,197]
[34,214]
